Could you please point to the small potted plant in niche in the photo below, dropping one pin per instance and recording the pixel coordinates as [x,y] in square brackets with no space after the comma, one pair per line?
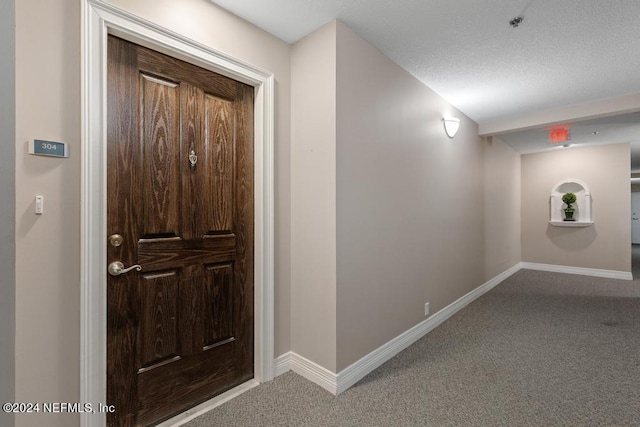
[569,199]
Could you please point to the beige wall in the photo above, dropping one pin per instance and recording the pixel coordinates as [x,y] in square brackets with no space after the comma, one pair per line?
[410,218]
[607,244]
[502,200]
[47,246]
[313,192]
[385,207]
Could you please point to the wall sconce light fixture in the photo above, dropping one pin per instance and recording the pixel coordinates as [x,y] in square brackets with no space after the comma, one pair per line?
[451,125]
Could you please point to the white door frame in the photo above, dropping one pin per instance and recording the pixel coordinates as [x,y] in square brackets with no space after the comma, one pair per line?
[98,20]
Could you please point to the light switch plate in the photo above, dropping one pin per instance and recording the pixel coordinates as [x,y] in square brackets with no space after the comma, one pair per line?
[39,205]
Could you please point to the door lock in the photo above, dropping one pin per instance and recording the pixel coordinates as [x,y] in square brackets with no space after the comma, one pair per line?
[116,268]
[116,240]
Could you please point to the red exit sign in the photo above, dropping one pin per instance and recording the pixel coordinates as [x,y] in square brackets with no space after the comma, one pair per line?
[558,135]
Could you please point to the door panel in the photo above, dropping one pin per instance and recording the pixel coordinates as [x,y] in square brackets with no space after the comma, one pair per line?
[158,327]
[180,192]
[159,163]
[218,304]
[219,166]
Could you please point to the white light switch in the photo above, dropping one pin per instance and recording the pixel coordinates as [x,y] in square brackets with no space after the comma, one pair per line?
[39,205]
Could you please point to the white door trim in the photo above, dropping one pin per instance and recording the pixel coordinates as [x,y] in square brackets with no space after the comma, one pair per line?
[98,20]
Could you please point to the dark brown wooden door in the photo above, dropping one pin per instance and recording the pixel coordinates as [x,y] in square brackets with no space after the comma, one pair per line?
[179,331]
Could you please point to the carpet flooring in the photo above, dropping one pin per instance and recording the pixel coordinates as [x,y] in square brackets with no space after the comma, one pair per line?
[540,349]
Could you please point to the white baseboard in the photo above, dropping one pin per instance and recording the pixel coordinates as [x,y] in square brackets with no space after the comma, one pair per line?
[306,368]
[363,367]
[282,364]
[609,274]
[338,383]
[314,373]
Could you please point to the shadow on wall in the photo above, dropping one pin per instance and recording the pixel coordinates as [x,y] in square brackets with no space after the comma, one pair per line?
[572,239]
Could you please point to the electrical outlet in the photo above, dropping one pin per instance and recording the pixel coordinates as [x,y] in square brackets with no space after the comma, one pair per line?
[426,309]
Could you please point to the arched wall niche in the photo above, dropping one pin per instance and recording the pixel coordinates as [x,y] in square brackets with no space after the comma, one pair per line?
[582,205]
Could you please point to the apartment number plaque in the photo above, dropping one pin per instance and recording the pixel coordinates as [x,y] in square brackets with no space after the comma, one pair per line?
[40,147]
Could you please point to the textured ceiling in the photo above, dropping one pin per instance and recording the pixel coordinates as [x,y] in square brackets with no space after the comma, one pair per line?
[565,52]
